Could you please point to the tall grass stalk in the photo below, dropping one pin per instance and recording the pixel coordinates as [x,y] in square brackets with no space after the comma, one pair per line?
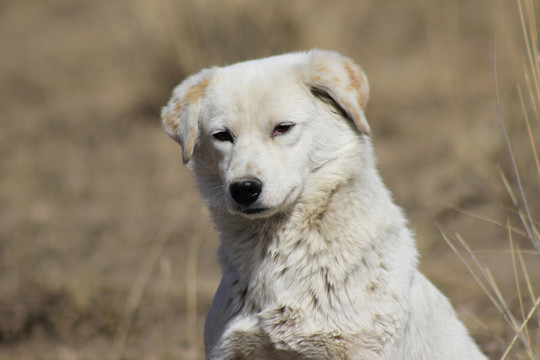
[523,330]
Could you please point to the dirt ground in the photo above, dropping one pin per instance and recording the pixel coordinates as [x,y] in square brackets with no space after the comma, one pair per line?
[105,249]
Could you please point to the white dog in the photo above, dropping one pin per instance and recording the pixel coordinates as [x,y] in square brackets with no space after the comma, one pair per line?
[317,260]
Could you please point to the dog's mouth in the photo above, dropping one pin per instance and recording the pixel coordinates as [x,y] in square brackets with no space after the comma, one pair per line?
[254,211]
[262,208]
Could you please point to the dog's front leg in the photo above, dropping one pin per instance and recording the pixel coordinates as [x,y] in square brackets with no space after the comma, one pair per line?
[242,340]
[290,333]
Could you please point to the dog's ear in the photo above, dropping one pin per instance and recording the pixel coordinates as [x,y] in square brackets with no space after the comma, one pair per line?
[338,78]
[180,118]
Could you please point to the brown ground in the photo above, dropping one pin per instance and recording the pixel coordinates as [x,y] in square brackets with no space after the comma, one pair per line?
[94,199]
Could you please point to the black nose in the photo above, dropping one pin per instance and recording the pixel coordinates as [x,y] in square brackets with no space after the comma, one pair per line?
[245,192]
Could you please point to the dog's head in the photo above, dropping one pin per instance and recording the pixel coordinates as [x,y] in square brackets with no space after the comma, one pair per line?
[254,132]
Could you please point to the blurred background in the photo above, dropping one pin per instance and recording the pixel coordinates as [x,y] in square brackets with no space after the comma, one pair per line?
[106,251]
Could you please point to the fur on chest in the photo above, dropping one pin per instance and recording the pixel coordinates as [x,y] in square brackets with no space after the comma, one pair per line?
[317,297]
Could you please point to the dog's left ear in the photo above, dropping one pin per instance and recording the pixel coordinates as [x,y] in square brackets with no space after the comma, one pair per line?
[339,78]
[180,118]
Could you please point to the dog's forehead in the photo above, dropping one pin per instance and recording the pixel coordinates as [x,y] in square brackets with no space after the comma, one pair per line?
[254,89]
[256,76]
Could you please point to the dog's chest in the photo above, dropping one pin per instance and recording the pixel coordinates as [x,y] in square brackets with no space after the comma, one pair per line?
[306,310]
[311,294]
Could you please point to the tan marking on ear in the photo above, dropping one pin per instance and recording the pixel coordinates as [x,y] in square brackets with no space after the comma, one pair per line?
[190,99]
[353,77]
[170,123]
[195,92]
[323,68]
[173,115]
[362,98]
[192,95]
[356,83]
[192,137]
[356,118]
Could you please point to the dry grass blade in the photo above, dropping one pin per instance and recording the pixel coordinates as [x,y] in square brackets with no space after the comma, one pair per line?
[529,131]
[137,290]
[488,220]
[536,232]
[470,269]
[508,187]
[517,210]
[500,252]
[533,44]
[485,327]
[529,47]
[527,277]
[507,313]
[500,303]
[518,332]
[192,288]
[532,233]
[530,90]
[518,290]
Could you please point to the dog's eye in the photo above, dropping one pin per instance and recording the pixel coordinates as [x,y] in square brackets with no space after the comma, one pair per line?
[282,129]
[223,136]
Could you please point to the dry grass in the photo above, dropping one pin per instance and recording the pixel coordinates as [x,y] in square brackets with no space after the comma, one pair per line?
[525,343]
[105,249]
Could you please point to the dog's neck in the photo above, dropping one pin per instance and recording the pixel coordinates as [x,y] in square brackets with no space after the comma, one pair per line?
[333,222]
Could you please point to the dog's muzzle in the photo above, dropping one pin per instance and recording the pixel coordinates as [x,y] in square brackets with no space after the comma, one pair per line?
[246,191]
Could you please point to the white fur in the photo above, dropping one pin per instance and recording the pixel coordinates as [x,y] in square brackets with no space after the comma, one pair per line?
[328,269]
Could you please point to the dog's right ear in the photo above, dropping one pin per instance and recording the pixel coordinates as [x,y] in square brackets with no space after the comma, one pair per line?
[180,118]
[336,78]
